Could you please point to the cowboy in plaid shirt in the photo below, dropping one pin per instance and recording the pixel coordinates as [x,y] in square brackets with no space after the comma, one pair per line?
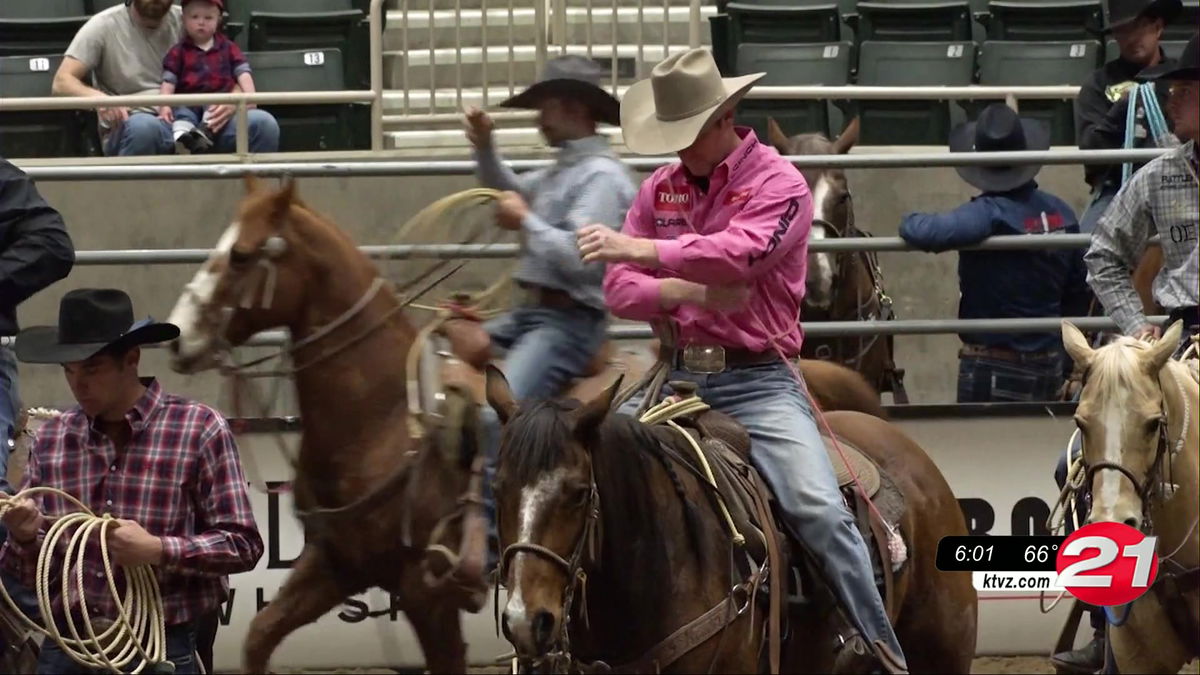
[166,467]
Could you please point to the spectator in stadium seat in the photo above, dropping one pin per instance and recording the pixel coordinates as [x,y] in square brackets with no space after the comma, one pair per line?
[1160,199]
[560,327]
[1103,102]
[1006,284]
[203,62]
[122,48]
[35,251]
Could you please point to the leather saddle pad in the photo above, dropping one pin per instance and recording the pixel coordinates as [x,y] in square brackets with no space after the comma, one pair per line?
[851,462]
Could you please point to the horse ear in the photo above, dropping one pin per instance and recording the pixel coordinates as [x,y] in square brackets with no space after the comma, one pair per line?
[285,197]
[251,182]
[848,138]
[587,417]
[499,394]
[1076,344]
[777,138]
[1165,347]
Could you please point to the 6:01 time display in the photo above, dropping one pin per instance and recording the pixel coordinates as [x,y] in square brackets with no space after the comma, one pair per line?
[990,553]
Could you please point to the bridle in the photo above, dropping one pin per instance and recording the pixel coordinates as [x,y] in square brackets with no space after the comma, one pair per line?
[558,658]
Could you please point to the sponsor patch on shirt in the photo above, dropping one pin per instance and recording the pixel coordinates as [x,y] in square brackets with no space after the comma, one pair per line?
[1045,222]
[737,196]
[1176,181]
[666,200]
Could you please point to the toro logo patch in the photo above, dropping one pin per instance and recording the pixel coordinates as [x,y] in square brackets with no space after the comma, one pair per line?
[671,201]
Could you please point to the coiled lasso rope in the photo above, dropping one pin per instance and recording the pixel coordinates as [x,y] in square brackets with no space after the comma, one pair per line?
[139,632]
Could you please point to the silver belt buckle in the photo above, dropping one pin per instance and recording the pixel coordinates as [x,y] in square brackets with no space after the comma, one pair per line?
[704,358]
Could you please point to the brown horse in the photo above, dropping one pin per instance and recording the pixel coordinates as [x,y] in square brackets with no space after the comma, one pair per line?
[1138,412]
[610,554]
[844,286]
[370,491]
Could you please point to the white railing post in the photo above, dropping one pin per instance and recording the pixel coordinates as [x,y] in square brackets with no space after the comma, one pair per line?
[695,24]
[375,25]
[243,128]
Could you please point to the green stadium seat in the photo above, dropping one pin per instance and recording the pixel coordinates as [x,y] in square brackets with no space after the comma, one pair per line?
[311,127]
[794,65]
[783,21]
[42,9]
[912,64]
[41,133]
[98,6]
[289,25]
[1184,26]
[1043,20]
[36,27]
[905,20]
[1018,64]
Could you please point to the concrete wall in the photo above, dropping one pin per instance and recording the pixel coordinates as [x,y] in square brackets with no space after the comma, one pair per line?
[192,214]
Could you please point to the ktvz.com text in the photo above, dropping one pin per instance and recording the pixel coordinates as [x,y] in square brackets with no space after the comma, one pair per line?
[1015,582]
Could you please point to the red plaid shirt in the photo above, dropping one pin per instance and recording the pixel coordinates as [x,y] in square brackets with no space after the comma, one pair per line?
[195,71]
[178,477]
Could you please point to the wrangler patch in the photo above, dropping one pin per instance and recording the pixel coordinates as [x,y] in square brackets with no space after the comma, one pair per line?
[737,196]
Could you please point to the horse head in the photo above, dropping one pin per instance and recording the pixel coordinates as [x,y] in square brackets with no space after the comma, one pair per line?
[547,508]
[833,209]
[259,276]
[1122,419]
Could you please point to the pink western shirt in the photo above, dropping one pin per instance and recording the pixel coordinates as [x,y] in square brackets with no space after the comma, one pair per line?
[751,225]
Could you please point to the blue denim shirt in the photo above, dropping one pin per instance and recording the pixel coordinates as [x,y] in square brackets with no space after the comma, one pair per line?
[1008,284]
[587,185]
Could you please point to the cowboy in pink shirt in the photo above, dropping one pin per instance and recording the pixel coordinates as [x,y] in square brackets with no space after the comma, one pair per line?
[713,252]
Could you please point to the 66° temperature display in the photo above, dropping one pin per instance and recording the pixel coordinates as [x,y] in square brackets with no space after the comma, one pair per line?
[986,553]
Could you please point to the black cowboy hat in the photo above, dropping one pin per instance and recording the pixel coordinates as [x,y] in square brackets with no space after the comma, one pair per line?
[1186,68]
[573,77]
[1121,12]
[89,321]
[998,129]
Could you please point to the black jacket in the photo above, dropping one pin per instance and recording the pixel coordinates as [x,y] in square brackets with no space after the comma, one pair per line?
[1100,123]
[35,249]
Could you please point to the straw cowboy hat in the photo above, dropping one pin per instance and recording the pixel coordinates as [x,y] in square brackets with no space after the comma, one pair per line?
[572,77]
[998,129]
[667,112]
[1186,68]
[90,320]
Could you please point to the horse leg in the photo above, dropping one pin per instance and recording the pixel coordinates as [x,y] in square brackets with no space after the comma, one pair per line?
[1146,642]
[437,627]
[308,593]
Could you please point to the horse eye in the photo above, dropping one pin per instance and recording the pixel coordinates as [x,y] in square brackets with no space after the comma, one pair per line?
[580,494]
[238,258]
[1153,424]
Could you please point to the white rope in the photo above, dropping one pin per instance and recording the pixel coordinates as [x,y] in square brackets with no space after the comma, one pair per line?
[139,631]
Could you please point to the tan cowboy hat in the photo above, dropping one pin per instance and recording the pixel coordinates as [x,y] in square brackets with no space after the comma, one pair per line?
[667,112]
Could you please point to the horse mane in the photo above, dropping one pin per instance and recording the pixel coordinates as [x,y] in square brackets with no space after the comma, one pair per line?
[1117,366]
[814,143]
[535,441]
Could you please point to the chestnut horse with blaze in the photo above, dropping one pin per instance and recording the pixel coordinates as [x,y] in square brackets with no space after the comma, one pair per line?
[384,502]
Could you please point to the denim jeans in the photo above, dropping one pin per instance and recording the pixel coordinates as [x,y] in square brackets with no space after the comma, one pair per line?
[146,134]
[1100,199]
[787,450]
[187,119]
[546,349]
[9,411]
[988,380]
[181,651]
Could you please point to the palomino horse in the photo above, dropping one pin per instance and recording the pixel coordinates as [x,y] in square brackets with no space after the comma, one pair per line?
[609,554]
[843,286]
[370,492]
[1138,414]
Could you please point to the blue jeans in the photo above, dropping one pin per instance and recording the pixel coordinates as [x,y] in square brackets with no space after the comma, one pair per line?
[787,450]
[991,380]
[1101,198]
[9,411]
[146,134]
[181,651]
[546,349]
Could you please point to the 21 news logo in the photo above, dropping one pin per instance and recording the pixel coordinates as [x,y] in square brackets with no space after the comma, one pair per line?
[1107,564]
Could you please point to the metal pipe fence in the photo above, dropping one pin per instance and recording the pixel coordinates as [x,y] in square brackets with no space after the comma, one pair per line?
[821,329]
[119,171]
[188,256]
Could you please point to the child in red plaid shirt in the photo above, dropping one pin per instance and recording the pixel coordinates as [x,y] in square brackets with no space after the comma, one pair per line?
[204,62]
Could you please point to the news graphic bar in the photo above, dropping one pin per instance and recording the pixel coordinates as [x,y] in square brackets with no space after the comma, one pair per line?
[992,553]
[1016,582]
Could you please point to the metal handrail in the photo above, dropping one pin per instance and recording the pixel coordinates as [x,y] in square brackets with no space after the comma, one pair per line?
[647,164]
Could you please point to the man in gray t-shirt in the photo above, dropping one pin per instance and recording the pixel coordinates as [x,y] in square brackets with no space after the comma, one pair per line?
[122,48]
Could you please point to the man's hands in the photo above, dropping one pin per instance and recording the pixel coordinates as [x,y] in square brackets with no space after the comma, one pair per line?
[511,210]
[219,116]
[598,243]
[479,127]
[130,544]
[112,117]
[166,114]
[23,520]
[1147,331]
